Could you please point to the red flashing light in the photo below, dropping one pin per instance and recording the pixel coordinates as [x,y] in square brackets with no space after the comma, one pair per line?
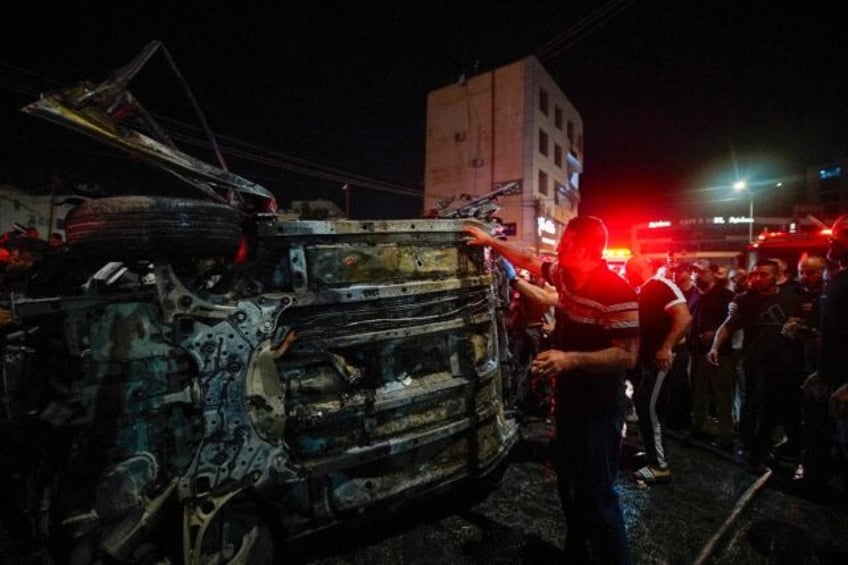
[617,253]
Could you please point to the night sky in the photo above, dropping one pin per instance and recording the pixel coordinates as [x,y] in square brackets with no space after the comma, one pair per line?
[678,98]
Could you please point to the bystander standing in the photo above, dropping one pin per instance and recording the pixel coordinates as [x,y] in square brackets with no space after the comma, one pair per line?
[663,321]
[712,381]
[680,379]
[595,340]
[829,385]
[761,312]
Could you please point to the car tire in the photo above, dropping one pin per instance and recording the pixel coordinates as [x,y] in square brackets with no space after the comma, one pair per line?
[144,227]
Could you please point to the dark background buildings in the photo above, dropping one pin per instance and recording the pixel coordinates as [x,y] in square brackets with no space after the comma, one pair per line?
[678,98]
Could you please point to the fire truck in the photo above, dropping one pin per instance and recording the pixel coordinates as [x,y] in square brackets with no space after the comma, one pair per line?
[789,246]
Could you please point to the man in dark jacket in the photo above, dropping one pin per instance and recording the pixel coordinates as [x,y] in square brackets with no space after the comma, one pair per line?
[761,312]
[711,383]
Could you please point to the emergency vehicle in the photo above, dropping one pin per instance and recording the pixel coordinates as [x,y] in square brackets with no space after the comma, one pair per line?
[789,246]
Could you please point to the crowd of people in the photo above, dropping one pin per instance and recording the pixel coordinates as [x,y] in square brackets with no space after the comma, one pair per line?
[753,362]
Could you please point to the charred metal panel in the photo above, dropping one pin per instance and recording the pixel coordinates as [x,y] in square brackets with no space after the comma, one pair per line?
[362,367]
[393,384]
[344,368]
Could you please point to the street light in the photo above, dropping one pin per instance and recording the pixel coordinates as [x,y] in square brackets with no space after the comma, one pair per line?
[741,185]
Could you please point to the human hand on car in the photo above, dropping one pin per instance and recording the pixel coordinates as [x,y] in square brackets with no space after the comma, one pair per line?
[478,236]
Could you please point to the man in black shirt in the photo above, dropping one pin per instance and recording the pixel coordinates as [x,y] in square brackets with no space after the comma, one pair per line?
[711,383]
[663,321]
[803,332]
[595,340]
[767,357]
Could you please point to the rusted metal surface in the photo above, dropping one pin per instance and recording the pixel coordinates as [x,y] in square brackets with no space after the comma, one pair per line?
[334,371]
[354,367]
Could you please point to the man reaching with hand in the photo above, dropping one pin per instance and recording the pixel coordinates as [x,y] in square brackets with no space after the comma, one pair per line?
[595,340]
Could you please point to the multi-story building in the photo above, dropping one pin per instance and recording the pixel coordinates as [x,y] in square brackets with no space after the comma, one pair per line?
[510,124]
[827,187]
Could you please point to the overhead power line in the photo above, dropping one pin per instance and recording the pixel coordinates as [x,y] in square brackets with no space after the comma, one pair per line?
[251,152]
[257,154]
[592,22]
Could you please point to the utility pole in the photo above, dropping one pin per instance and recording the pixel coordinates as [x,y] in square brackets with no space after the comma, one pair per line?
[751,215]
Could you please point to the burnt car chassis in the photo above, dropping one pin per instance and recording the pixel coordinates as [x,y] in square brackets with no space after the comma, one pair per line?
[183,399]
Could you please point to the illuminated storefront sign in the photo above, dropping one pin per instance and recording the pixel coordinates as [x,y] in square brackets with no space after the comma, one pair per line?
[546,225]
[732,220]
[617,253]
[546,228]
[716,220]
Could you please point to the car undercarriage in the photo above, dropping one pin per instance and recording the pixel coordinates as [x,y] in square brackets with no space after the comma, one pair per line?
[217,379]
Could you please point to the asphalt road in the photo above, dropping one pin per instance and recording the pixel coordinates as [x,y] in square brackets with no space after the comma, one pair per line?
[714,511]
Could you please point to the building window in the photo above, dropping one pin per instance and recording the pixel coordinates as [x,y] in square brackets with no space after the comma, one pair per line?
[580,143]
[570,131]
[543,183]
[543,143]
[543,101]
[557,155]
[832,172]
[558,117]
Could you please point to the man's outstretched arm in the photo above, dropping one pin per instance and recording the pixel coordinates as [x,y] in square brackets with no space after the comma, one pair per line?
[519,258]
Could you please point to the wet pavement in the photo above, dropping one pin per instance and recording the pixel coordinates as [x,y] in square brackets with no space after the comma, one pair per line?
[713,511]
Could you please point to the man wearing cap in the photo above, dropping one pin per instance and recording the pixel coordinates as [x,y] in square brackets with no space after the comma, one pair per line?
[663,321]
[681,276]
[711,382]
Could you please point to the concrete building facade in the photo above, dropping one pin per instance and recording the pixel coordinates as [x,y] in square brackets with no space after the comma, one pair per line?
[827,187]
[510,124]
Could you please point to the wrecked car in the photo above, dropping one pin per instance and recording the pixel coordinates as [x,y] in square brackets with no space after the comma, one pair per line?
[222,381]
